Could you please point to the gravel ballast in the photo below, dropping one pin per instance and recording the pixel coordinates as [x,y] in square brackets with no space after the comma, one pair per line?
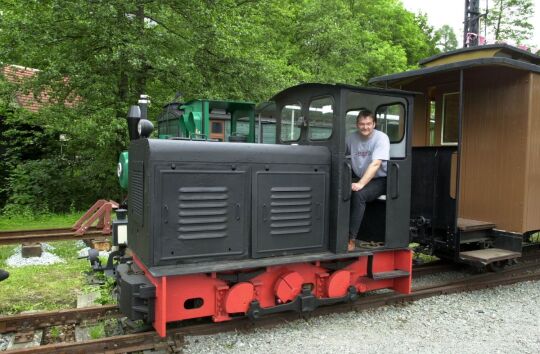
[500,320]
[17,260]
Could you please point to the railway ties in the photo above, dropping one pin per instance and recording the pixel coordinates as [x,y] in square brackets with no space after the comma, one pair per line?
[527,271]
[44,235]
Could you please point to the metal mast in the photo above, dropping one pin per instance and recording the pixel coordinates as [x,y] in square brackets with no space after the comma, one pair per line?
[471,30]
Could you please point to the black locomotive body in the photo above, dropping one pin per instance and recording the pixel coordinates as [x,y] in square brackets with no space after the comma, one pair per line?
[218,202]
[226,229]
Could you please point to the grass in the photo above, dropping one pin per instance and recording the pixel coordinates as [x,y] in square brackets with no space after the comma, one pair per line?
[97,331]
[24,222]
[46,287]
[422,257]
[55,332]
[43,287]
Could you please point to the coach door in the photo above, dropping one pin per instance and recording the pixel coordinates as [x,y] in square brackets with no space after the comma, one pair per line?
[387,219]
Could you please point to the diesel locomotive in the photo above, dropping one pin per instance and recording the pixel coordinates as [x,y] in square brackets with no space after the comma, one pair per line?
[226,229]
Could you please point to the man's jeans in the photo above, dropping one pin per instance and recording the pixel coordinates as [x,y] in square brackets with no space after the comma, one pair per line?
[374,189]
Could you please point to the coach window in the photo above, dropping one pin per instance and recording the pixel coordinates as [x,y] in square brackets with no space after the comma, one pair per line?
[321,118]
[391,120]
[290,115]
[450,115]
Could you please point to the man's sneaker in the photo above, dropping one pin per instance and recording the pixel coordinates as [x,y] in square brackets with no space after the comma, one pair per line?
[3,275]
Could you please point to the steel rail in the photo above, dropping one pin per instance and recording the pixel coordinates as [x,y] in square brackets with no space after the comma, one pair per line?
[175,336]
[433,268]
[21,236]
[38,320]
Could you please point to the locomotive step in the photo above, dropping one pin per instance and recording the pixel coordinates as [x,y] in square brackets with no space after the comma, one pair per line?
[390,275]
[466,225]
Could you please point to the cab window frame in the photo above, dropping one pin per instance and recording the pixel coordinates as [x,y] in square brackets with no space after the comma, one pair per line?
[315,98]
[293,126]
[404,133]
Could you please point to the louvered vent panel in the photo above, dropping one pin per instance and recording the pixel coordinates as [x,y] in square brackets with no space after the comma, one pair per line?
[203,212]
[136,198]
[291,210]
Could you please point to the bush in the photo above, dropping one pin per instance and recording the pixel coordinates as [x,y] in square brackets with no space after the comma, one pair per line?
[57,186]
[42,173]
[41,186]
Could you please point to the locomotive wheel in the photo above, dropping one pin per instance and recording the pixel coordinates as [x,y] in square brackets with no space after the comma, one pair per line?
[288,286]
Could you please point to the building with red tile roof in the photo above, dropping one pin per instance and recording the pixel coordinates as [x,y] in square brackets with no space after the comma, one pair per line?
[17,74]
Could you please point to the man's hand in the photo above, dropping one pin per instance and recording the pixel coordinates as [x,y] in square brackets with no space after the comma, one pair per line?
[356,187]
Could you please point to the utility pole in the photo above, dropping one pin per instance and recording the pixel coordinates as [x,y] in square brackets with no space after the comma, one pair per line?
[471,31]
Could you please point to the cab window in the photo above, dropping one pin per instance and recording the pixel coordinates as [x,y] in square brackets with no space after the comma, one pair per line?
[391,120]
[321,118]
[290,114]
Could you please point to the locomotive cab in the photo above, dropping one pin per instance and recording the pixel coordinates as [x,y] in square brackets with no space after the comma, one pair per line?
[323,115]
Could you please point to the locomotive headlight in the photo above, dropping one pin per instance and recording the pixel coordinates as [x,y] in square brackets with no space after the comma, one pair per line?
[119,169]
[145,128]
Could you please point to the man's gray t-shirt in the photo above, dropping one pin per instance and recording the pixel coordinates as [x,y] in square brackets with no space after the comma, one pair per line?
[364,150]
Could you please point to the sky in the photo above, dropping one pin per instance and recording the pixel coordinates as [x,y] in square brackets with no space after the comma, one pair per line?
[451,12]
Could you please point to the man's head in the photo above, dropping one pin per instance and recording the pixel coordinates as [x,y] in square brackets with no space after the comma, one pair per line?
[365,122]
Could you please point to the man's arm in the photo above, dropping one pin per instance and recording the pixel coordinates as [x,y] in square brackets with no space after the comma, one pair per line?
[368,175]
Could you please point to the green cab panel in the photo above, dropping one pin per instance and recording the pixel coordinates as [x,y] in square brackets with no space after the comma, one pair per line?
[122,169]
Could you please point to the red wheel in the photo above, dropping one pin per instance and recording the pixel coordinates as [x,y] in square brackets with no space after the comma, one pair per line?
[239,297]
[288,286]
[338,283]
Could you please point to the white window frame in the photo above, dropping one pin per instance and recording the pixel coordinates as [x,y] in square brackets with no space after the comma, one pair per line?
[443,117]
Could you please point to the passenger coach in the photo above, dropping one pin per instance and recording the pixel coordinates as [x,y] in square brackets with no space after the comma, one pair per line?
[476,152]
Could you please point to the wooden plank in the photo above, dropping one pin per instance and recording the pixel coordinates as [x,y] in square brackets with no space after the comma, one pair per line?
[532,191]
[474,225]
[493,156]
[489,255]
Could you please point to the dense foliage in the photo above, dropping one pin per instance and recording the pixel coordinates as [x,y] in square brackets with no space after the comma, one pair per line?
[446,37]
[100,55]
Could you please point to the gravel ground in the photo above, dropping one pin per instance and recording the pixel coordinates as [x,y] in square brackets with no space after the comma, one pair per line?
[17,260]
[500,320]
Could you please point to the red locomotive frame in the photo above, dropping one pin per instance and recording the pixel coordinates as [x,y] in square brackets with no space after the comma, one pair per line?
[209,296]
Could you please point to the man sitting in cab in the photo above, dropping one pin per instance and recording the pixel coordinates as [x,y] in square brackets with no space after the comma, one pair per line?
[369,150]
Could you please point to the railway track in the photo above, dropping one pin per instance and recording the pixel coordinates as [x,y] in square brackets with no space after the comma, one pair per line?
[175,339]
[33,321]
[21,236]
[433,268]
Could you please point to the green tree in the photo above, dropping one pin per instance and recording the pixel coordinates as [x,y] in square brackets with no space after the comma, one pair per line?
[447,39]
[511,20]
[97,57]
[431,36]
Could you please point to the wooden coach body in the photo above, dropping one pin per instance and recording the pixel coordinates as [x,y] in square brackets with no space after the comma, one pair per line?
[495,169]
